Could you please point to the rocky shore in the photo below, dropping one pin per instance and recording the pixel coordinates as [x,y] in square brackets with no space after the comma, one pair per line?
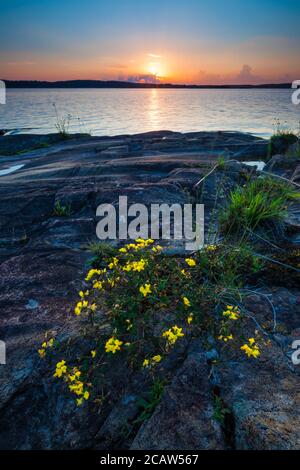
[44,255]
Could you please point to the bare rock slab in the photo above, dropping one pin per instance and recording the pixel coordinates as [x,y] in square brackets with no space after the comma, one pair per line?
[184,418]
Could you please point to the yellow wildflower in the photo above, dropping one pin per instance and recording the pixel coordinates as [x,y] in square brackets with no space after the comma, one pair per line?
[251,349]
[190,261]
[190,319]
[92,273]
[145,290]
[93,353]
[113,263]
[77,388]
[156,358]
[146,363]
[152,362]
[232,312]
[173,334]
[79,401]
[42,352]
[156,249]
[61,369]
[186,301]
[83,294]
[78,308]
[98,285]
[86,395]
[113,345]
[135,265]
[142,242]
[211,247]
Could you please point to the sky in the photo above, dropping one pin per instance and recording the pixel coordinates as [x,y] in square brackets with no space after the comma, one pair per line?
[191,41]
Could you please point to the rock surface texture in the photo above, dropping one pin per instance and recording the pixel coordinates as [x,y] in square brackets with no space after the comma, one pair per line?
[43,258]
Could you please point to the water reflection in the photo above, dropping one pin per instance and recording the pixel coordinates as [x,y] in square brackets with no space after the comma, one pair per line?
[153,110]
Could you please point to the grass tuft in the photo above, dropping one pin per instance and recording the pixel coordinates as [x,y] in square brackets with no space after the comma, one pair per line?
[60,210]
[261,202]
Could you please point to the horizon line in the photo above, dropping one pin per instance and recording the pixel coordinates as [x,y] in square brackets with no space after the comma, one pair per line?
[128,84]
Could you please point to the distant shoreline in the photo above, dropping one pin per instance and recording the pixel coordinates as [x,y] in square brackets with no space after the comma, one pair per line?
[120,84]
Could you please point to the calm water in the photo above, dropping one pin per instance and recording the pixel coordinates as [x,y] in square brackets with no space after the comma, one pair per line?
[119,111]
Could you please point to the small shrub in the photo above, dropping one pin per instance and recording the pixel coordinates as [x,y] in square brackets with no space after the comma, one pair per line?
[142,304]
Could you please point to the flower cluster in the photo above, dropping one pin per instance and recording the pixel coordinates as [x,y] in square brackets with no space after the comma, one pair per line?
[72,378]
[232,312]
[61,369]
[92,273]
[152,361]
[135,265]
[113,263]
[140,243]
[113,345]
[45,346]
[251,349]
[84,304]
[137,291]
[173,334]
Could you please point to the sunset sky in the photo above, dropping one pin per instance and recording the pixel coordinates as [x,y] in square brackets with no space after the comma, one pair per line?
[191,41]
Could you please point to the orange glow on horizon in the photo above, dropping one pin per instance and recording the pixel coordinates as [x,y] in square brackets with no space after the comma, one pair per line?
[167,67]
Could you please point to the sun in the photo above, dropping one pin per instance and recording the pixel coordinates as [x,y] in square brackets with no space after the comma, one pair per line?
[154,68]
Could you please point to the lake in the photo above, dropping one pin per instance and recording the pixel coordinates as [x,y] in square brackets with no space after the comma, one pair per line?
[128,111]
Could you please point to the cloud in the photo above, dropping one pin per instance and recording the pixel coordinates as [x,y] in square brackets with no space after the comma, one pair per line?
[146,78]
[245,76]
[155,56]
